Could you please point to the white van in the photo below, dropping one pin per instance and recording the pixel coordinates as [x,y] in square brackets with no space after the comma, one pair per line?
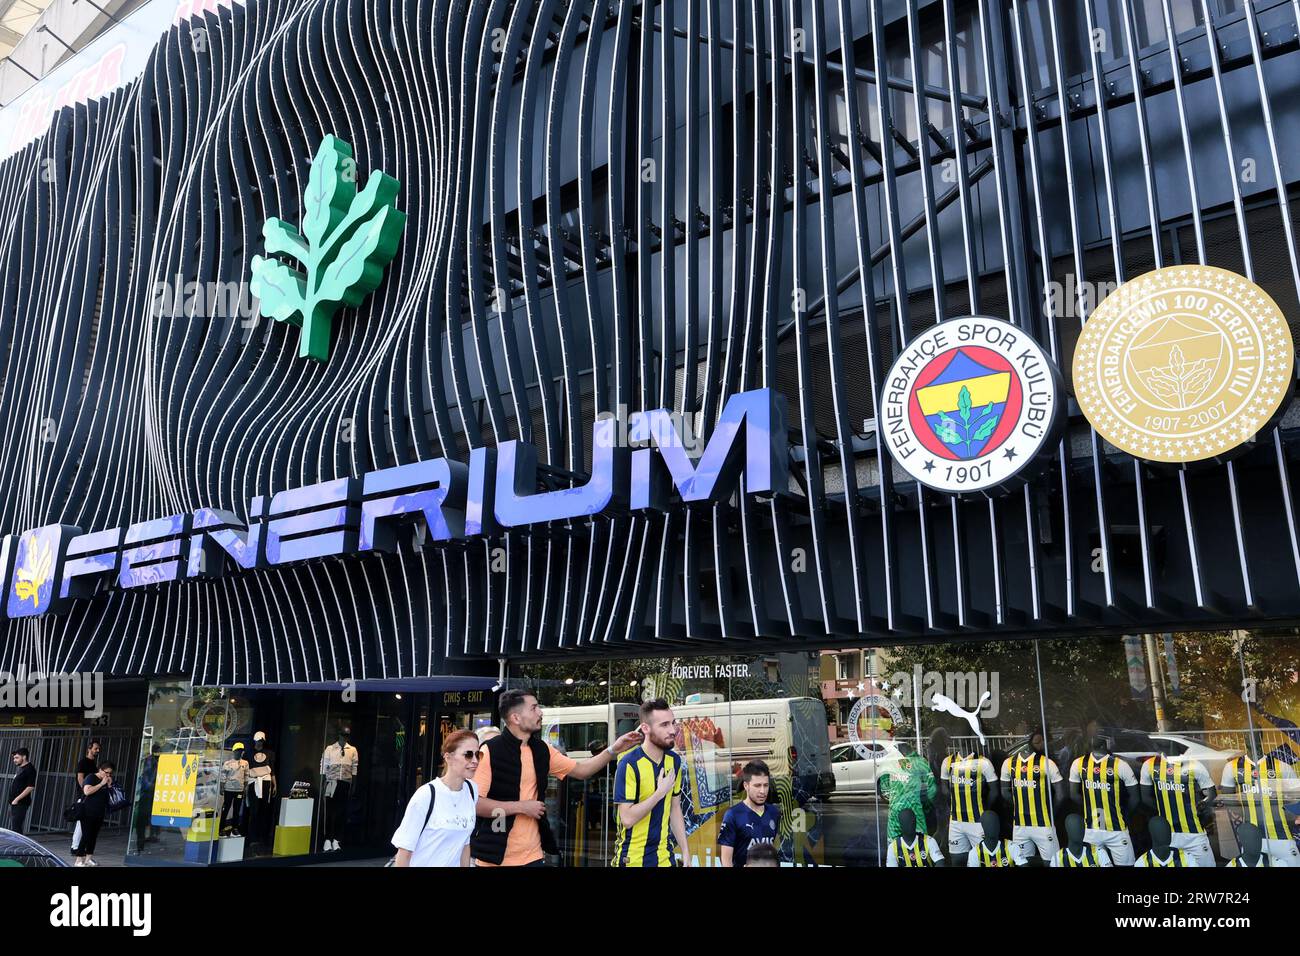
[720,737]
[575,730]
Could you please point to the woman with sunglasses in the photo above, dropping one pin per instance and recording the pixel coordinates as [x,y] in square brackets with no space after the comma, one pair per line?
[440,817]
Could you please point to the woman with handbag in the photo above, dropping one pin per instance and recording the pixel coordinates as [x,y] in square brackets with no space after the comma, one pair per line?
[94,806]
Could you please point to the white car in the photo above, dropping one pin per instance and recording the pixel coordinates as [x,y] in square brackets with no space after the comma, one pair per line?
[1175,745]
[856,772]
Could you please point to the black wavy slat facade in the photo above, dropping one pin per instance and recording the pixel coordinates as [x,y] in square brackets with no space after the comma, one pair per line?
[765,235]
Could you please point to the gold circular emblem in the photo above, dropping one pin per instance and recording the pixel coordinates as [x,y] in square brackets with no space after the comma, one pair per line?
[1183,364]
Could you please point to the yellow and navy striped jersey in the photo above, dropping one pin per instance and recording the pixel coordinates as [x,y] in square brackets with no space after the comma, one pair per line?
[1238,861]
[983,856]
[967,777]
[1176,858]
[1265,786]
[1177,786]
[635,779]
[1100,779]
[1031,777]
[922,851]
[1092,856]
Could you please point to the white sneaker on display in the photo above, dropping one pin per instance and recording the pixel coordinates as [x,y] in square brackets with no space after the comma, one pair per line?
[81,861]
[90,862]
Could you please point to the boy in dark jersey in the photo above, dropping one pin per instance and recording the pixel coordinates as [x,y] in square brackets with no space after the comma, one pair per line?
[752,821]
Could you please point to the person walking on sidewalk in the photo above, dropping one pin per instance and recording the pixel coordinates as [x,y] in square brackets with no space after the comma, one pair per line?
[87,765]
[512,828]
[94,807]
[440,816]
[648,794]
[21,790]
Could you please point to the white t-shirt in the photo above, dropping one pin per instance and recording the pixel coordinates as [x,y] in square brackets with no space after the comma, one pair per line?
[448,830]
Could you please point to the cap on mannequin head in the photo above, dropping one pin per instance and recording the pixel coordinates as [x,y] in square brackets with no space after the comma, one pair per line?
[238,749]
[1251,840]
[1160,834]
[259,739]
[992,825]
[907,824]
[1074,829]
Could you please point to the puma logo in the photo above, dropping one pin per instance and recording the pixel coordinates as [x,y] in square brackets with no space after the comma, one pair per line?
[945,704]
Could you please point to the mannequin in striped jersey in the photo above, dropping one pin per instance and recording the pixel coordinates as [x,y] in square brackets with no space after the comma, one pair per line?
[1106,790]
[1250,839]
[991,850]
[1162,853]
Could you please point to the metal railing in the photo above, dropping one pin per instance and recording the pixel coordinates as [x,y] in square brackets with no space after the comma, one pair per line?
[55,752]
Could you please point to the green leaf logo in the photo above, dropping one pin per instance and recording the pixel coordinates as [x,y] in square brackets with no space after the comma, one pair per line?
[963,404]
[348,238]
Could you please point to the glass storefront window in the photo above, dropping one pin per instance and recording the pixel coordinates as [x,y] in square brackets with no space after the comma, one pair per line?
[229,774]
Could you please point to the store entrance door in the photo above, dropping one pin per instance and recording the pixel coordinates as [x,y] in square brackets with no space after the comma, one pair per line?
[442,714]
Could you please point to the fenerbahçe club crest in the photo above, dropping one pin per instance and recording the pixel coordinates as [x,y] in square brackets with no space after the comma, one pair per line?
[970,404]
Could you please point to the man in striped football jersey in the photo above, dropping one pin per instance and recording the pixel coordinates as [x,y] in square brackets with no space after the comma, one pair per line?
[1180,791]
[1031,783]
[1107,790]
[1266,786]
[1162,853]
[969,784]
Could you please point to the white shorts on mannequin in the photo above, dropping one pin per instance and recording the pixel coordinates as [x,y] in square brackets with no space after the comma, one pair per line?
[1117,843]
[1025,840]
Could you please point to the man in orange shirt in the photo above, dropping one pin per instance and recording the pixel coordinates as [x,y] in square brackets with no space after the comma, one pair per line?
[512,828]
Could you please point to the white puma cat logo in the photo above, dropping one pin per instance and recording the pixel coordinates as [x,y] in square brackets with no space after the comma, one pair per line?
[947,705]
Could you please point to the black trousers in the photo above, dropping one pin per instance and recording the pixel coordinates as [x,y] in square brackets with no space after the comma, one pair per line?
[232,811]
[18,817]
[89,834]
[258,816]
[336,810]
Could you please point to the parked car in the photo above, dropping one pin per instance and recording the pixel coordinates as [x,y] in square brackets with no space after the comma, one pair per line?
[17,850]
[858,767]
[1176,745]
[1135,746]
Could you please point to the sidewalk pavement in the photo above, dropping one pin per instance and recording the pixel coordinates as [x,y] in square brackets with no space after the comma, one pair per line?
[110,849]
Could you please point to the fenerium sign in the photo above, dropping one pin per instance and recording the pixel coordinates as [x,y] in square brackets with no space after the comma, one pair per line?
[46,568]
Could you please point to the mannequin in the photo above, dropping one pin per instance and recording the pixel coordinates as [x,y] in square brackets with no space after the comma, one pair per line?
[991,850]
[338,769]
[1251,840]
[1182,793]
[1264,788]
[234,784]
[1104,787]
[1076,851]
[261,789]
[1032,787]
[911,848]
[1162,854]
[968,784]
